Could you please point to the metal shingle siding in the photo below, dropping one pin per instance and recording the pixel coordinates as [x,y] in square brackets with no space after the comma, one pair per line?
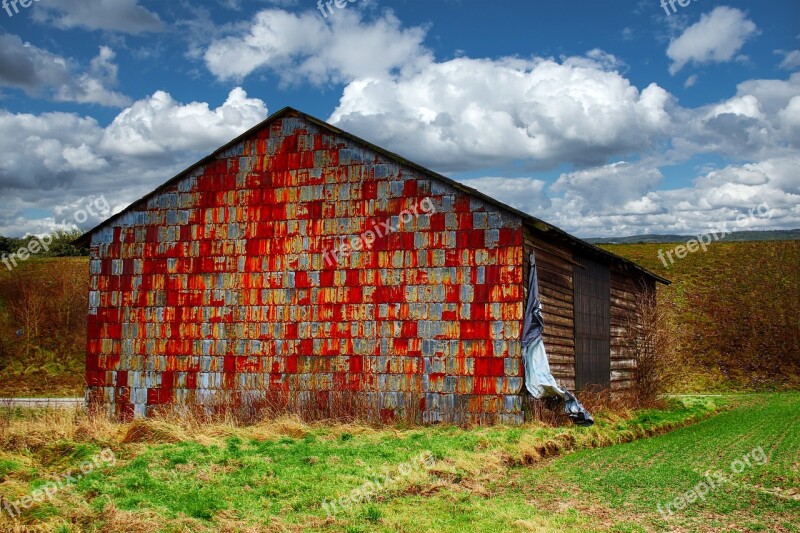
[220,284]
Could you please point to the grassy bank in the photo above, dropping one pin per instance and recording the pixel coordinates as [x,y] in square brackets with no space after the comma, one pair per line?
[170,475]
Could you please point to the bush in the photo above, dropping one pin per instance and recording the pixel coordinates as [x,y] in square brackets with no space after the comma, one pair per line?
[653,341]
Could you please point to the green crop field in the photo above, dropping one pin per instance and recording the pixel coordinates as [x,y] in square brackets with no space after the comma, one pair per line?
[638,480]
[288,476]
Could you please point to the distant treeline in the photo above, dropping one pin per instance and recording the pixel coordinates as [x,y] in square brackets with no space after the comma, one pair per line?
[735,236]
[43,310]
[61,245]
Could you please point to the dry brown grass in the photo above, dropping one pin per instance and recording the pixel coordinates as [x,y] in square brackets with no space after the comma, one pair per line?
[11,527]
[248,407]
[145,521]
[32,430]
[599,401]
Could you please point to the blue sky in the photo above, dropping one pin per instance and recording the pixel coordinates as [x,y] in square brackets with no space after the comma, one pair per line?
[604,118]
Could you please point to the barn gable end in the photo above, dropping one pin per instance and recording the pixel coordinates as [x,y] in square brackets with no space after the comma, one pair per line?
[232,284]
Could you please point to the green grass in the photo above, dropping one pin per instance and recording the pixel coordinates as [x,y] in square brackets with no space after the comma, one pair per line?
[530,478]
[291,477]
[284,478]
[640,476]
[620,487]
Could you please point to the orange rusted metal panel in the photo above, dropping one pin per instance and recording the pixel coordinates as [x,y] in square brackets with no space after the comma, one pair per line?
[301,261]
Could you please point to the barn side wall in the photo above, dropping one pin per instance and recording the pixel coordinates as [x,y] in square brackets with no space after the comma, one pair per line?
[232,285]
[554,264]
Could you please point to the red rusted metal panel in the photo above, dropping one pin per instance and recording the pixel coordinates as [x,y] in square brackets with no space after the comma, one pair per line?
[301,262]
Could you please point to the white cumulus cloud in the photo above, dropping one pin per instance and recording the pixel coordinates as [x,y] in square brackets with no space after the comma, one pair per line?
[716,38]
[619,186]
[624,198]
[52,160]
[39,72]
[125,16]
[791,60]
[524,193]
[159,124]
[305,46]
[471,113]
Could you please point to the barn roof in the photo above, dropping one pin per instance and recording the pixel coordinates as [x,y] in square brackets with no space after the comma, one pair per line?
[534,224]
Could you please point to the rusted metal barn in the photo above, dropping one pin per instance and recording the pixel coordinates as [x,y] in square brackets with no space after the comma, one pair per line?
[299,264]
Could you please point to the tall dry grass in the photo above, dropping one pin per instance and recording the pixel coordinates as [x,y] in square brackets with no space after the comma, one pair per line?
[31,430]
[247,407]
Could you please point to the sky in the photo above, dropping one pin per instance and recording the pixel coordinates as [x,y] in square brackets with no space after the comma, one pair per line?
[603,118]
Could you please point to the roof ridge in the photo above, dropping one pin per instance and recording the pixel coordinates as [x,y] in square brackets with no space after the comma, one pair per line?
[534,222]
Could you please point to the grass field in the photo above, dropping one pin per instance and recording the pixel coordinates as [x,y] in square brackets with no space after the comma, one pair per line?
[281,475]
[634,479]
[733,310]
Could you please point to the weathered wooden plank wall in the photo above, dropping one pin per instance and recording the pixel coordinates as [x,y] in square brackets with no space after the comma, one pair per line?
[554,264]
[625,288]
[591,280]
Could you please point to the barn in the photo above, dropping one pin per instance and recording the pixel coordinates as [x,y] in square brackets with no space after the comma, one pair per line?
[302,266]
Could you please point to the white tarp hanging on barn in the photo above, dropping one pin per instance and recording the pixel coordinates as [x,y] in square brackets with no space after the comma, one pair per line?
[538,379]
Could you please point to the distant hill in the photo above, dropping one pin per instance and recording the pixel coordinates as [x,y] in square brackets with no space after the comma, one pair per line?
[736,236]
[733,310]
